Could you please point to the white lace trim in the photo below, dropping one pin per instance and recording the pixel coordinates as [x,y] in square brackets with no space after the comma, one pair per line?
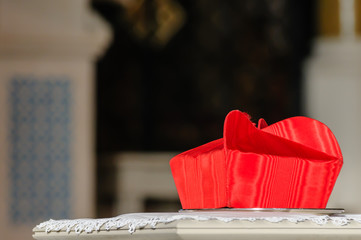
[140,220]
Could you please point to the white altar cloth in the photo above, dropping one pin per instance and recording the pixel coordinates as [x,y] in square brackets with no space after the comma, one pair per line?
[205,221]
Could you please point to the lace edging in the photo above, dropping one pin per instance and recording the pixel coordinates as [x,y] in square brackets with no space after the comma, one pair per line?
[137,221]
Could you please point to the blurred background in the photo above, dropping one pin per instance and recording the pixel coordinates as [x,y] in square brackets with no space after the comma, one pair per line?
[176,68]
[98,95]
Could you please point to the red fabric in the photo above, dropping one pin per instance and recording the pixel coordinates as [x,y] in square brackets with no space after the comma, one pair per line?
[290,164]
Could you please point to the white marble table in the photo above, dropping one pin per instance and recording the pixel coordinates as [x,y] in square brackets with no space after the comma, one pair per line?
[206,225]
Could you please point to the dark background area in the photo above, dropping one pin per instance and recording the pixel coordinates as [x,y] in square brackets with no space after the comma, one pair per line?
[244,55]
[227,55]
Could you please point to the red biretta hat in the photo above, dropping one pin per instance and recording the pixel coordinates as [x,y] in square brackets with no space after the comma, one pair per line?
[293,163]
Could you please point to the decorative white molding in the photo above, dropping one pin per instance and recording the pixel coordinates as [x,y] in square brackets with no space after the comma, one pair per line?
[43,44]
[64,28]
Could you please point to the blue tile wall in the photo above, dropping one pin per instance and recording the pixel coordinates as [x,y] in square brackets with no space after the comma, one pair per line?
[40,138]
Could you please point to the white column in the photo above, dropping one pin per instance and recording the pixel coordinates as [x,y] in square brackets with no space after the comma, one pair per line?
[347,19]
[47,54]
[333,95]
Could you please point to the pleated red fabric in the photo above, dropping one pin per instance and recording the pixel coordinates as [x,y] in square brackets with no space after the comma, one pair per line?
[293,163]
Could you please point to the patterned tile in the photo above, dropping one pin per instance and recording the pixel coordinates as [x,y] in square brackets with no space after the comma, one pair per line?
[40,138]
